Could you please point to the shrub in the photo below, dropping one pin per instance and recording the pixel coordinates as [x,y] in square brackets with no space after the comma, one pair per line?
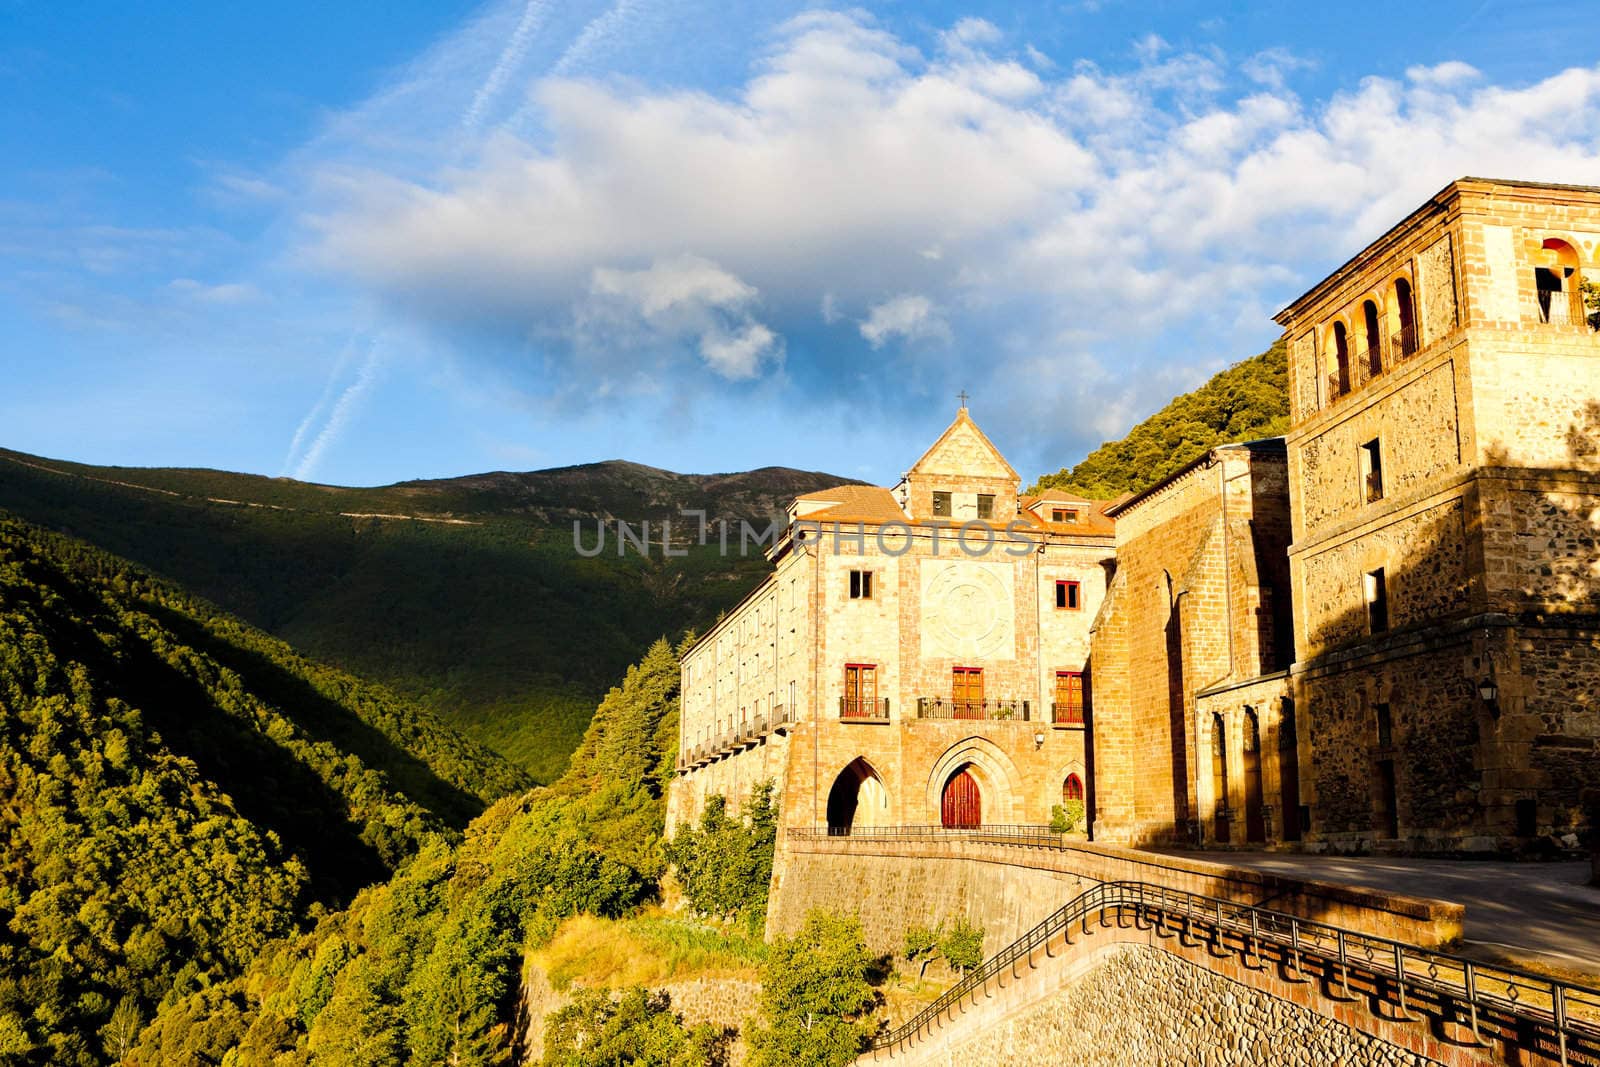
[962,944]
[816,1001]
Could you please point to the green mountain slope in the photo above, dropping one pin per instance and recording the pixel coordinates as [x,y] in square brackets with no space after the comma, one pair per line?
[1249,400]
[424,968]
[180,788]
[465,595]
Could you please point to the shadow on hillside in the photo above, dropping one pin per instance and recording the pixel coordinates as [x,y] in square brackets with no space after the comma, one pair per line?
[324,719]
[266,783]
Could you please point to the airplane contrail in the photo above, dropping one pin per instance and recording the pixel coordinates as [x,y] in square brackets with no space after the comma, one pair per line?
[342,410]
[516,48]
[533,14]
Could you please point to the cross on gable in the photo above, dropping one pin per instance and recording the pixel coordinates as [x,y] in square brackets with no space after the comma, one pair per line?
[962,396]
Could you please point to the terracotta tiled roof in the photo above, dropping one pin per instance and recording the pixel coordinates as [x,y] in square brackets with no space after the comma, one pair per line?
[853,503]
[1092,518]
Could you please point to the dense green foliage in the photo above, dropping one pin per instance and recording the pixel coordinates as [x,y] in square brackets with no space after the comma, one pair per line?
[1068,818]
[179,790]
[725,864]
[479,608]
[961,944]
[636,1027]
[1247,401]
[816,1001]
[424,969]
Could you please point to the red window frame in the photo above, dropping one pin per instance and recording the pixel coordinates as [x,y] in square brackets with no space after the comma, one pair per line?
[1068,711]
[860,700]
[1069,595]
[1072,788]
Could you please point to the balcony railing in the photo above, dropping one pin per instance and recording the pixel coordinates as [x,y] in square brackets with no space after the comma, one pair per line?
[942,708]
[853,709]
[1067,714]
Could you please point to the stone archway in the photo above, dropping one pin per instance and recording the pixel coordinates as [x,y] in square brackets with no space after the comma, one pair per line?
[992,772]
[857,798]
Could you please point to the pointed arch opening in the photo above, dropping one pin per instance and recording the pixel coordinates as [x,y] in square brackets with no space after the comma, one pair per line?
[857,798]
[1255,823]
[1372,358]
[961,801]
[1341,360]
[1402,320]
[1219,780]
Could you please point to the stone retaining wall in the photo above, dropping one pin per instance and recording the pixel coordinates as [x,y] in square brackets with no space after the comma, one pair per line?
[1007,889]
[1141,1005]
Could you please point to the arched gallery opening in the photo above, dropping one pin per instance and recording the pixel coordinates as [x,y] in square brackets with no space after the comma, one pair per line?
[857,799]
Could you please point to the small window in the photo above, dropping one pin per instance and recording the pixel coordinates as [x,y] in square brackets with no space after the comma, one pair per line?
[860,585]
[1377,596]
[1072,789]
[985,505]
[1067,597]
[1372,471]
[941,504]
[1385,725]
[1064,515]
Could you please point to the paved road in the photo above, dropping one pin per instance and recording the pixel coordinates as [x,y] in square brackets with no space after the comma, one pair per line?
[1540,912]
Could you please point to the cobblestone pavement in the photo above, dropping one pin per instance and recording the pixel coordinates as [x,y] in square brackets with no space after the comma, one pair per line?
[1542,913]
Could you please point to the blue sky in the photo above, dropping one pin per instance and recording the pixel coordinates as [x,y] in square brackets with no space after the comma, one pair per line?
[357,245]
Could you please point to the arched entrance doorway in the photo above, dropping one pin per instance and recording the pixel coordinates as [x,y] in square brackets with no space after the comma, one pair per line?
[1219,780]
[961,804]
[1255,825]
[857,798]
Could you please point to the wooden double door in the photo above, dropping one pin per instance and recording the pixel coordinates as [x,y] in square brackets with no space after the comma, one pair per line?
[962,806]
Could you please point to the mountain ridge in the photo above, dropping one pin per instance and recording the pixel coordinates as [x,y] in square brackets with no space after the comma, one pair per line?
[466,594]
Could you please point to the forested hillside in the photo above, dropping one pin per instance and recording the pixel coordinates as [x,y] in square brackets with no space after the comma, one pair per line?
[178,789]
[464,595]
[424,968]
[1249,400]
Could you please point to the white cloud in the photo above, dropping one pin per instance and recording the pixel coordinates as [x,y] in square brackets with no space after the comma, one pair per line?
[683,297]
[1451,72]
[738,356]
[1076,209]
[910,316]
[664,286]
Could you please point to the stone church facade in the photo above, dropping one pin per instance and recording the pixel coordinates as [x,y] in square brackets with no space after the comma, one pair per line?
[917,656]
[1441,690]
[1381,631]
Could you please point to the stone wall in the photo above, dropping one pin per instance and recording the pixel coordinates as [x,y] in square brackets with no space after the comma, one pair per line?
[1486,529]
[1201,599]
[1006,889]
[1140,1005]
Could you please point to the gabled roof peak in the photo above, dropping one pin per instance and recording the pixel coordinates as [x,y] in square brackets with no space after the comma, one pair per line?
[963,420]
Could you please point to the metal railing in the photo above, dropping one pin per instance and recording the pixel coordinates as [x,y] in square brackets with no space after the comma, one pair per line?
[1067,714]
[999,833]
[853,709]
[940,708]
[1524,1008]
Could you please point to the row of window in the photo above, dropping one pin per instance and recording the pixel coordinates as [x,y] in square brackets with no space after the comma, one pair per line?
[942,506]
[966,691]
[1069,595]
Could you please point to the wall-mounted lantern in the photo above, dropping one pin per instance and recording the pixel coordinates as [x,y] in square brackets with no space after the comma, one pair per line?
[1038,739]
[1490,694]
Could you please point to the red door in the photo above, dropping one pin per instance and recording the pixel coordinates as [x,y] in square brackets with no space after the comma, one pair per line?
[963,807]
